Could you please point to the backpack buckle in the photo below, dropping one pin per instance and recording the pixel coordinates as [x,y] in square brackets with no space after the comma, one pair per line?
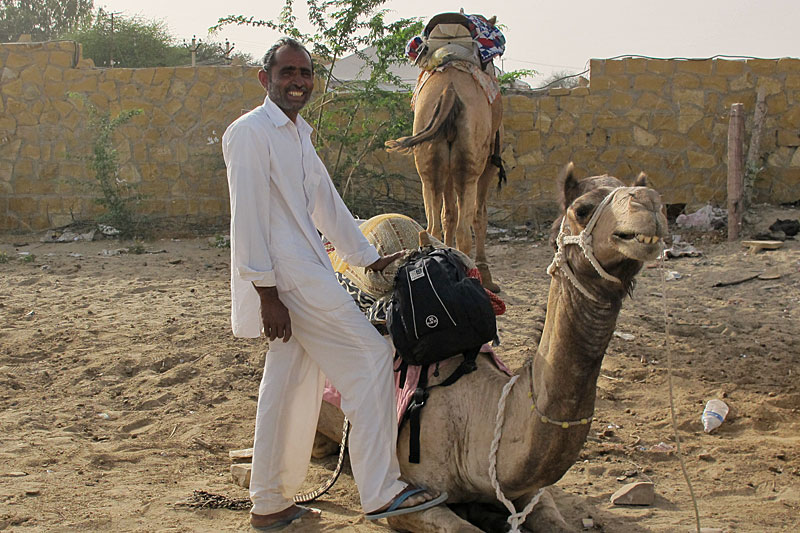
[418,399]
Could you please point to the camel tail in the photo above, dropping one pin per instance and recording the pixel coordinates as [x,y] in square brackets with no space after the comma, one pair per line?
[443,122]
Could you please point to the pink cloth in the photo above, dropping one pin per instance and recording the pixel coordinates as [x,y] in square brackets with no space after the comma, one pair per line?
[403,396]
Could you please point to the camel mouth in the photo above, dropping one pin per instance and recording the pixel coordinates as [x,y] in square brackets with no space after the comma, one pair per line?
[639,237]
[638,246]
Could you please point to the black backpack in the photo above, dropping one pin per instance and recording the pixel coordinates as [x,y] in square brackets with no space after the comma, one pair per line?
[437,312]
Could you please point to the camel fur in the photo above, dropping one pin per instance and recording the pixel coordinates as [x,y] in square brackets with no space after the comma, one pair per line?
[458,421]
[453,135]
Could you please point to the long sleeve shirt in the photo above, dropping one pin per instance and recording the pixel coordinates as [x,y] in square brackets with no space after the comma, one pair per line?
[281,194]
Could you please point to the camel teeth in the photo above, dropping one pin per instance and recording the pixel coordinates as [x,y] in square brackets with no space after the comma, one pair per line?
[647,239]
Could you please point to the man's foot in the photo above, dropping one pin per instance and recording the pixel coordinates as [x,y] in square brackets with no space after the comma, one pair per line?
[411,500]
[281,519]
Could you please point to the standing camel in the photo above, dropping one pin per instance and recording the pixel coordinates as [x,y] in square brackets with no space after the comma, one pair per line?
[550,405]
[456,129]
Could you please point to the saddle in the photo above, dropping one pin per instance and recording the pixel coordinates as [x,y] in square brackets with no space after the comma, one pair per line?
[447,37]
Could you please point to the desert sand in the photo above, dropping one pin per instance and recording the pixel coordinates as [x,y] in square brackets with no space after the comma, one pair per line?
[122,389]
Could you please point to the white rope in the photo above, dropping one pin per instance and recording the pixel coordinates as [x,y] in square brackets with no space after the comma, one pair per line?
[515,519]
[584,240]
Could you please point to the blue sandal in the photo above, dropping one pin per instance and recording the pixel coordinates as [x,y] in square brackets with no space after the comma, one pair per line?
[395,509]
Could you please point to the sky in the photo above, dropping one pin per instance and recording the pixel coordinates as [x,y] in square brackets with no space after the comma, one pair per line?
[548,37]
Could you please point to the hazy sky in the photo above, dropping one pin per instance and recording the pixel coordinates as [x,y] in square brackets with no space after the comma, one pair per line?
[545,36]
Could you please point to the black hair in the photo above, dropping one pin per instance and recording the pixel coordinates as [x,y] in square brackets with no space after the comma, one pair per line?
[269,58]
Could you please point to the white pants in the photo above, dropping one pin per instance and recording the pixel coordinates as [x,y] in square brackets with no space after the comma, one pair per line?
[342,345]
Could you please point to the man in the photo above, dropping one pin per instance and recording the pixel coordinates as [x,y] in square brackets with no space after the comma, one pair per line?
[282,281]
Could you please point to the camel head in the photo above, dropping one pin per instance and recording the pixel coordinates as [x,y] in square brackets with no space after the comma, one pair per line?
[623,227]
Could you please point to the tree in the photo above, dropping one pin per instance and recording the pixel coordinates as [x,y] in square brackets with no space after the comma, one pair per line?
[44,20]
[133,42]
[354,117]
[562,78]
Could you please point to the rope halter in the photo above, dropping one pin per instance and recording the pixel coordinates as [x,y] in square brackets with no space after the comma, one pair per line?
[584,240]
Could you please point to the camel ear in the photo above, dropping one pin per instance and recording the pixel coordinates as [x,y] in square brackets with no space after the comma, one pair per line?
[641,180]
[567,186]
[492,21]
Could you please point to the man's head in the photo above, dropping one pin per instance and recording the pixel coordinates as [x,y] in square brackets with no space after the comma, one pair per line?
[288,76]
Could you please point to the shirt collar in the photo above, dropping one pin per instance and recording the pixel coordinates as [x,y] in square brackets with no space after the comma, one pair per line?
[279,118]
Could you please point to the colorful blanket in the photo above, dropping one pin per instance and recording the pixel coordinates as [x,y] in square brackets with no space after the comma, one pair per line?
[491,41]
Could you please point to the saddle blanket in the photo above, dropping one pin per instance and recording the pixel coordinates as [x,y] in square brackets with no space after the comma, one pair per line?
[403,395]
[489,84]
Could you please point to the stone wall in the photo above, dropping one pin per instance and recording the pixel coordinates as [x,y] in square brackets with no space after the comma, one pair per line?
[171,150]
[667,118]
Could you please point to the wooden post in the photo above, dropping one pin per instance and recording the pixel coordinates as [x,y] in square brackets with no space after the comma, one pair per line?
[753,160]
[735,171]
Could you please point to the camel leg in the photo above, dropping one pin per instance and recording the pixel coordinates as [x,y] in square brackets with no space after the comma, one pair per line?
[440,519]
[481,223]
[489,518]
[450,216]
[545,516]
[466,215]
[433,209]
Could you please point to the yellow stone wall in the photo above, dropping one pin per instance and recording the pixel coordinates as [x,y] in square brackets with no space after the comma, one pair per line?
[667,118]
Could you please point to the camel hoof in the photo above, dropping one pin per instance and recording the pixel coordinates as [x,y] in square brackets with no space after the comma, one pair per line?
[486,278]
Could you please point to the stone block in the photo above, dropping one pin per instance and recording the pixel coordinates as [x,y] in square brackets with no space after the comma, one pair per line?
[639,493]
[620,100]
[558,91]
[185,73]
[199,92]
[777,104]
[86,84]
[649,82]
[663,67]
[615,67]
[519,103]
[528,141]
[17,61]
[701,160]
[653,102]
[788,138]
[788,65]
[643,138]
[695,97]
[790,119]
[762,67]
[688,116]
[597,67]
[579,91]
[12,89]
[564,124]
[702,67]
[143,76]
[61,59]
[543,123]
[714,83]
[599,83]
[22,205]
[769,85]
[795,161]
[178,89]
[635,65]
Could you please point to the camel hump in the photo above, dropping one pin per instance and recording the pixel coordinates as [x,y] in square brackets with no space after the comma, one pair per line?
[442,122]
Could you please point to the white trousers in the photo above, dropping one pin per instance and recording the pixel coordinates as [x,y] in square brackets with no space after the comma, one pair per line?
[342,345]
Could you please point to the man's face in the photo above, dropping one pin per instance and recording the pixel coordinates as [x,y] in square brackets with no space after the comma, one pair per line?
[290,80]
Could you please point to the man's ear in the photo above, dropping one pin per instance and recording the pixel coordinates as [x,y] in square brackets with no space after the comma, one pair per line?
[263,78]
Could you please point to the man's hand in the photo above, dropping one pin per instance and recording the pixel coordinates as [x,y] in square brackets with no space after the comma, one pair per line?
[274,315]
[384,261]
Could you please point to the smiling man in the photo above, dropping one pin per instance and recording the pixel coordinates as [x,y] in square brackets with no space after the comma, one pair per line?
[282,283]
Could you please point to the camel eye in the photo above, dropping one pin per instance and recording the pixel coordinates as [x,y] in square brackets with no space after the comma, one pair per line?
[584,210]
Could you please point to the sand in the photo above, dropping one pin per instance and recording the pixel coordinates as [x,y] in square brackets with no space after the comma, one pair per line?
[122,389]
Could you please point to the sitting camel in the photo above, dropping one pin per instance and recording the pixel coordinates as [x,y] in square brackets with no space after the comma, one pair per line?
[604,235]
[456,129]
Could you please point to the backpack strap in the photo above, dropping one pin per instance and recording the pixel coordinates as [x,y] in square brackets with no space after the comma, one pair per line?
[421,396]
[417,403]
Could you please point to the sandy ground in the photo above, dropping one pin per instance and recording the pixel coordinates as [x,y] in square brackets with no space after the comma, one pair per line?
[122,388]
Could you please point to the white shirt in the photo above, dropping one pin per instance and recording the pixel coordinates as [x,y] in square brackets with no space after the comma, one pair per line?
[281,194]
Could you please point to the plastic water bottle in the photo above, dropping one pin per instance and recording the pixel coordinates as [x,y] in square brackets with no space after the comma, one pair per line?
[714,414]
